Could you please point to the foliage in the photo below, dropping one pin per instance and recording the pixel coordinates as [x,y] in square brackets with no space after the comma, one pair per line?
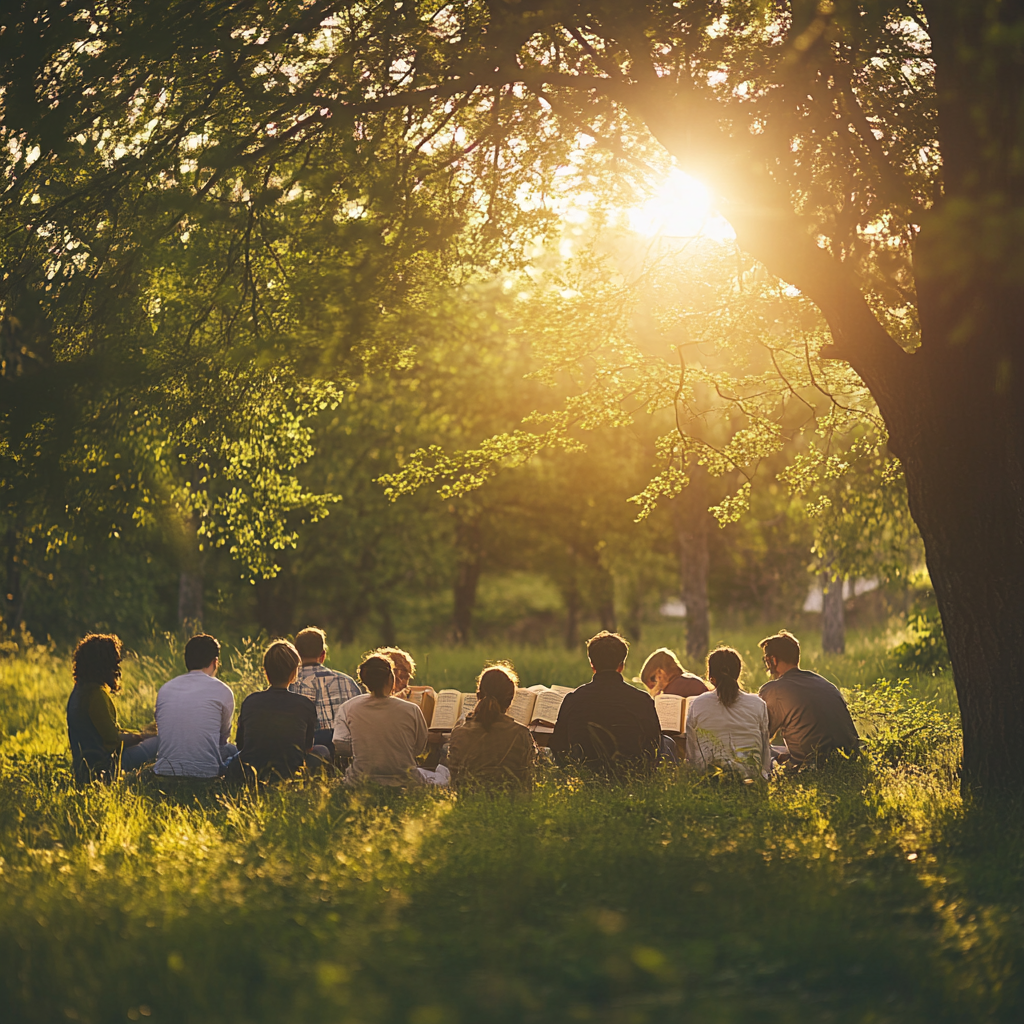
[924,650]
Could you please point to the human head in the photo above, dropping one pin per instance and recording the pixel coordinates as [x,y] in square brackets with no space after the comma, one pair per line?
[377,674]
[201,652]
[724,668]
[311,643]
[281,663]
[495,688]
[663,659]
[607,651]
[781,649]
[97,659]
[405,667]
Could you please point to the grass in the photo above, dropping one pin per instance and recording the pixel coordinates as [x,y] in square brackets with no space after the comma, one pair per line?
[867,893]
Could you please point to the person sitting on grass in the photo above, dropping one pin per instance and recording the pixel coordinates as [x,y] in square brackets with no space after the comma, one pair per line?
[276,727]
[728,728]
[325,687]
[489,748]
[607,725]
[193,716]
[98,746]
[662,673]
[805,709]
[382,734]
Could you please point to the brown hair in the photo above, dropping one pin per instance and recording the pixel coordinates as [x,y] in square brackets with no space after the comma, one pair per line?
[661,658]
[310,642]
[375,671]
[495,687]
[97,660]
[607,651]
[280,661]
[724,668]
[200,651]
[783,647]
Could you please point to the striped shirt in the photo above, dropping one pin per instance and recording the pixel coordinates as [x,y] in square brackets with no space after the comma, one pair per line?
[327,688]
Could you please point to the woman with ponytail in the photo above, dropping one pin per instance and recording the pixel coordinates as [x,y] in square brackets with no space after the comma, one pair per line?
[728,727]
[489,748]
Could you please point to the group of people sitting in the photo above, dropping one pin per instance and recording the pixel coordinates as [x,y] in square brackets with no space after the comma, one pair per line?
[314,718]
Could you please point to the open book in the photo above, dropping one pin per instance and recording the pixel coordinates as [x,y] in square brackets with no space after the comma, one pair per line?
[424,698]
[671,710]
[450,708]
[538,704]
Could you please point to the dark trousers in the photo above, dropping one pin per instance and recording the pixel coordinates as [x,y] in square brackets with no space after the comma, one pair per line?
[324,738]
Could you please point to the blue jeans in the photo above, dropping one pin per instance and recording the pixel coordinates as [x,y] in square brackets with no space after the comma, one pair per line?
[137,755]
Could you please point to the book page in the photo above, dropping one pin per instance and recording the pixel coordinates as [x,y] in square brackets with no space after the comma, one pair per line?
[547,706]
[423,697]
[446,710]
[538,688]
[671,710]
[563,690]
[521,709]
[468,703]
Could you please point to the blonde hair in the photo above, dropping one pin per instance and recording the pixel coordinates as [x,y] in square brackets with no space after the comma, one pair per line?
[397,652]
[661,658]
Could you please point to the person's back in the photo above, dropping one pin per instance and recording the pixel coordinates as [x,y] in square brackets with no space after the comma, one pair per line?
[193,716]
[386,734]
[490,749]
[327,688]
[805,708]
[275,729]
[93,755]
[733,737]
[607,725]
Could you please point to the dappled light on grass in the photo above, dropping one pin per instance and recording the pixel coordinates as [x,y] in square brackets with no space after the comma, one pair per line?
[861,892]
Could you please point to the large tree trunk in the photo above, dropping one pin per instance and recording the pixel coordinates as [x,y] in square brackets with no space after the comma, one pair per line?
[692,525]
[833,618]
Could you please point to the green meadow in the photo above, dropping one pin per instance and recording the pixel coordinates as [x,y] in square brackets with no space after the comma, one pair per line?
[867,892]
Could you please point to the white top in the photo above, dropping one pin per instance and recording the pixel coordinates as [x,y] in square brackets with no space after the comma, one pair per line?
[193,720]
[386,734]
[735,738]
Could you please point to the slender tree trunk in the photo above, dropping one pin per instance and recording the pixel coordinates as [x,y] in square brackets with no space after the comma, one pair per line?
[692,525]
[833,619]
[190,599]
[572,618]
[14,594]
[467,577]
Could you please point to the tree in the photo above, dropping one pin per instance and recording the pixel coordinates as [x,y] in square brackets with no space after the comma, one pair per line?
[864,152]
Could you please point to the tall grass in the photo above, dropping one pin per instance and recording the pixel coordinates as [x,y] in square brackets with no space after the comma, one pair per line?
[866,892]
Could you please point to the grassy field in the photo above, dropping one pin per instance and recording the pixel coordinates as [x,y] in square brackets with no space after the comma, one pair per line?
[865,894]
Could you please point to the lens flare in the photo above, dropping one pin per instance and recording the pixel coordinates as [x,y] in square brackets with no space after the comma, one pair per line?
[680,208]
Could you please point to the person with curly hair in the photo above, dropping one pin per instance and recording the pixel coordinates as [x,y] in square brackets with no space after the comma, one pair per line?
[98,746]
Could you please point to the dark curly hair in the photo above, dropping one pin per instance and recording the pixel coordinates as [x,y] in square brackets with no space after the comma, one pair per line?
[97,659]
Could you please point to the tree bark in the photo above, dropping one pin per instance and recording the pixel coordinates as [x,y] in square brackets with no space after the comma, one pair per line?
[190,600]
[692,526]
[467,578]
[833,618]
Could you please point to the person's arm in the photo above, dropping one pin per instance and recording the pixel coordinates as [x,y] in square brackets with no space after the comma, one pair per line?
[766,745]
[226,714]
[774,710]
[651,738]
[342,733]
[420,739]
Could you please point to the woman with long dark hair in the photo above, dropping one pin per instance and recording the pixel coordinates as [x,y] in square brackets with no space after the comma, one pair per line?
[489,748]
[98,746]
[728,727]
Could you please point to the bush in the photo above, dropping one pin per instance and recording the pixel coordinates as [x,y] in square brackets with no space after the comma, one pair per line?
[925,649]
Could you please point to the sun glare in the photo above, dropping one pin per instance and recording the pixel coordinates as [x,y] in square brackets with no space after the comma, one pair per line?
[681,208]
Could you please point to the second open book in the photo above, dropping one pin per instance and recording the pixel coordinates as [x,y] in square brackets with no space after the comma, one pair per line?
[530,705]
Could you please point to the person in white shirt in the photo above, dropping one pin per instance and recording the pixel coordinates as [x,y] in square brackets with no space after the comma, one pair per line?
[728,727]
[193,716]
[383,734]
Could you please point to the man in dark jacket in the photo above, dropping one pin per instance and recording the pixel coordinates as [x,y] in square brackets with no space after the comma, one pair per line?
[607,725]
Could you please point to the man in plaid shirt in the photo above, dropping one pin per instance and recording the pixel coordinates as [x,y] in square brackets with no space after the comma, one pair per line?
[325,687]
